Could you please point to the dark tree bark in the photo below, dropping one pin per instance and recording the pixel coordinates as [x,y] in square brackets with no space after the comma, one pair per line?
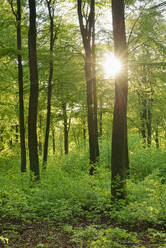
[20,83]
[143,122]
[119,159]
[88,37]
[33,98]
[16,133]
[91,125]
[94,82]
[146,100]
[40,135]
[53,34]
[101,117]
[157,136]
[149,118]
[11,143]
[66,129]
[53,140]
[149,127]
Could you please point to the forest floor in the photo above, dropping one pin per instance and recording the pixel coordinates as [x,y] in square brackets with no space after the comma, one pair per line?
[40,234]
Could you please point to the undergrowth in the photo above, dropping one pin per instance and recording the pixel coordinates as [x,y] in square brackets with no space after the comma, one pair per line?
[67,194]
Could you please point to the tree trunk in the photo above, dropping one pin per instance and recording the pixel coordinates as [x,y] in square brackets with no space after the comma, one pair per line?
[91,125]
[119,159]
[48,116]
[20,83]
[101,117]
[40,135]
[94,83]
[143,120]
[33,99]
[66,145]
[16,133]
[53,140]
[149,124]
[21,91]
[51,70]
[87,27]
[157,137]
[11,143]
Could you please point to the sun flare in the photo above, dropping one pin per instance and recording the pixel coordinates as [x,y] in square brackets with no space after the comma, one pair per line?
[112,66]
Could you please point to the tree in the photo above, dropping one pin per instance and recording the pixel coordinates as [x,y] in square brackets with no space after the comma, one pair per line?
[53,36]
[87,27]
[119,158]
[66,128]
[20,83]
[33,98]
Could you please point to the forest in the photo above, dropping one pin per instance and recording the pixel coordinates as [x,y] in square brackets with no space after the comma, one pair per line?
[82,124]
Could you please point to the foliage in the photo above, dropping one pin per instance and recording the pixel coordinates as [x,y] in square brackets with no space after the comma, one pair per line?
[67,196]
[67,191]
[95,237]
[115,238]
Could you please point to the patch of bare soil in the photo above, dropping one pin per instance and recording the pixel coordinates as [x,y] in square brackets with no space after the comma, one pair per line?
[50,235]
[34,235]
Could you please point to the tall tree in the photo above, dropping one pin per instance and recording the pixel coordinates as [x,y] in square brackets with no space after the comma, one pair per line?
[20,82]
[119,158]
[87,24]
[33,98]
[53,36]
[66,128]
[94,90]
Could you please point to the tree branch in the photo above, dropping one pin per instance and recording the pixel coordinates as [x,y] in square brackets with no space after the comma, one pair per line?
[12,8]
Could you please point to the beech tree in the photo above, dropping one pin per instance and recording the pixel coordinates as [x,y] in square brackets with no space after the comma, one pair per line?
[17,15]
[33,98]
[87,28]
[53,36]
[119,157]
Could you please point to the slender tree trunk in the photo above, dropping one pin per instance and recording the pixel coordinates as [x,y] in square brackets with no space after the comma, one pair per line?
[2,141]
[66,143]
[11,143]
[91,126]
[21,91]
[88,37]
[20,83]
[40,135]
[16,133]
[53,140]
[143,120]
[48,116]
[51,70]
[33,99]
[149,127]
[101,117]
[157,137]
[76,139]
[119,159]
[94,83]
